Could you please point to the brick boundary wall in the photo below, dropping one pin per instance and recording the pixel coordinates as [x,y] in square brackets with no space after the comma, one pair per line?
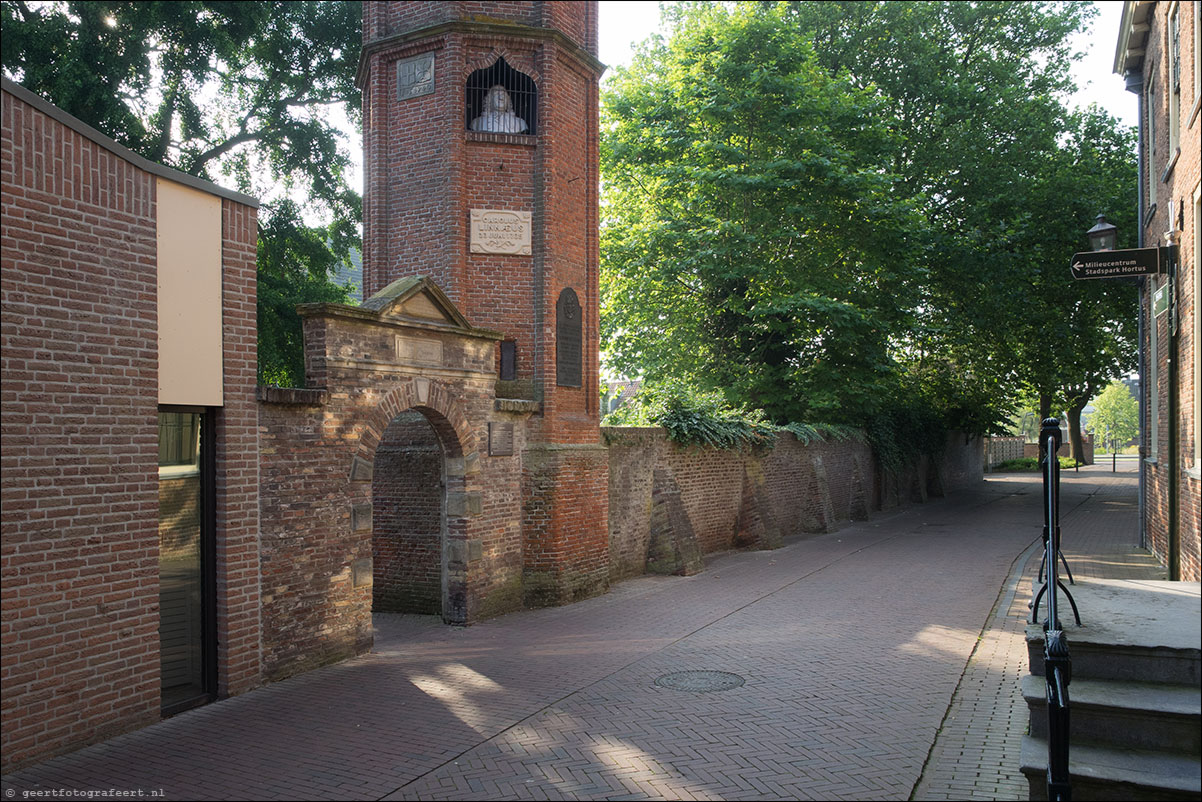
[669,505]
[1065,450]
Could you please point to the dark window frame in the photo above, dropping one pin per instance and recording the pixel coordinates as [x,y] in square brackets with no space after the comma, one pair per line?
[208,558]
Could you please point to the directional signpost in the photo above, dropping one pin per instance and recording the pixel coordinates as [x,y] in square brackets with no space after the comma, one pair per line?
[1117,264]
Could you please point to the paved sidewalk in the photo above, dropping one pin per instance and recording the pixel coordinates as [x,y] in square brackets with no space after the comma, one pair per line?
[976,755]
[850,648]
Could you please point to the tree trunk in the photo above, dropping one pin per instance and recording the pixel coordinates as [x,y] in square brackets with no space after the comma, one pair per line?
[1045,407]
[1074,434]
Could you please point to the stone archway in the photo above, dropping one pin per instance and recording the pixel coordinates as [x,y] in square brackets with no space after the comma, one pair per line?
[405,351]
[419,507]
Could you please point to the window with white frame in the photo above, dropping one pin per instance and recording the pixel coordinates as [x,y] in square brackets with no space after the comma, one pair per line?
[1174,76]
[1150,131]
[1197,51]
[1197,347]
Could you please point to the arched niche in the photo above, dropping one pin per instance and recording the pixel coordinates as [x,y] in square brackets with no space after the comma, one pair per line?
[482,97]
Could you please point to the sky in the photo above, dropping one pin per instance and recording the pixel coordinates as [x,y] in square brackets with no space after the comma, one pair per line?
[626,22]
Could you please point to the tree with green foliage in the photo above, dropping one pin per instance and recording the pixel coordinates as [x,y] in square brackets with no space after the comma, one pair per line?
[1073,337]
[970,175]
[976,95]
[753,241]
[235,92]
[1115,416]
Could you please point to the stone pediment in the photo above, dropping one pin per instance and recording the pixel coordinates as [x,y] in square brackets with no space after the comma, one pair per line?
[419,299]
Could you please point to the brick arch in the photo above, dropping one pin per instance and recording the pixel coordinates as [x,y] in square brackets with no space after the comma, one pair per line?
[444,413]
[525,64]
[426,396]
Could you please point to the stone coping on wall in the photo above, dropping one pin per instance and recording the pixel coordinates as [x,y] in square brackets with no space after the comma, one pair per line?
[520,405]
[299,396]
[347,312]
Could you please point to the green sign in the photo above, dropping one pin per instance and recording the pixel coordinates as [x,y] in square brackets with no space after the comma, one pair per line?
[1160,300]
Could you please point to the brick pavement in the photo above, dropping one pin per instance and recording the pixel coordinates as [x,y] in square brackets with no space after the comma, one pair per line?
[851,645]
[976,754]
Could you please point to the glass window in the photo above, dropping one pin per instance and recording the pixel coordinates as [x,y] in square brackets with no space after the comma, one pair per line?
[1197,51]
[1174,33]
[182,554]
[1153,391]
[1197,345]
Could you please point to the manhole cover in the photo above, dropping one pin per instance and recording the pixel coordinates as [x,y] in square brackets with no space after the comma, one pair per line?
[700,681]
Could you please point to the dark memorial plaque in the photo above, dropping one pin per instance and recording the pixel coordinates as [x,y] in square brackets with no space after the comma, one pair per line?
[568,340]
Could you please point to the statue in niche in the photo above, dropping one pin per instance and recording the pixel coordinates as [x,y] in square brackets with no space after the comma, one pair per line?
[498,115]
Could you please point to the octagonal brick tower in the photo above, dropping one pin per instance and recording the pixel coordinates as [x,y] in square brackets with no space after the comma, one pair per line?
[495,200]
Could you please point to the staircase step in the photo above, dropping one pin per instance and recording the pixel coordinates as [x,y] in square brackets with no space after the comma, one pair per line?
[1141,630]
[1117,661]
[1135,715]
[1107,773]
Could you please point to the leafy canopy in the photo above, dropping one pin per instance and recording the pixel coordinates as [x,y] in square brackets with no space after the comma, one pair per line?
[861,212]
[752,240]
[1116,415]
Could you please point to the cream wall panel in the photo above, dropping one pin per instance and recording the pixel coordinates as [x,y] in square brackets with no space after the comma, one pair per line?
[189,261]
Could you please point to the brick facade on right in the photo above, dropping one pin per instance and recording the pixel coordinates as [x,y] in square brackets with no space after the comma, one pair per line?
[1158,53]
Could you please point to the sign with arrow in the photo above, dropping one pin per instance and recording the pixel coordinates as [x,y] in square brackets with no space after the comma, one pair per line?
[1116,264]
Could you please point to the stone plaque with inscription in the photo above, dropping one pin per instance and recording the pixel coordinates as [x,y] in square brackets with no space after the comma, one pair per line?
[500,439]
[568,339]
[424,352]
[415,76]
[499,231]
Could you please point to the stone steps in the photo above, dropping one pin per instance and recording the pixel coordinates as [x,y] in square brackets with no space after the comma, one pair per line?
[1135,704]
[1132,715]
[1133,663]
[1111,773]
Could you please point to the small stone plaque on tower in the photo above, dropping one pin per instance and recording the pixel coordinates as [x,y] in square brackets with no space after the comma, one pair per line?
[500,439]
[499,231]
[415,76]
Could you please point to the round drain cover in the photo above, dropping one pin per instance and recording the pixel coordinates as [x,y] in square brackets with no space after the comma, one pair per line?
[700,681]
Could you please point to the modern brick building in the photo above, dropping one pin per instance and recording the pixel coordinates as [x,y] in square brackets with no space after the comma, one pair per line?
[1158,52]
[130,493]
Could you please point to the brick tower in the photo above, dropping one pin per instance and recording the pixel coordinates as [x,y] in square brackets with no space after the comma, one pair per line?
[480,146]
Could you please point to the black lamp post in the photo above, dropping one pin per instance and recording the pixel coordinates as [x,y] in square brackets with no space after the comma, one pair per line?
[1103,236]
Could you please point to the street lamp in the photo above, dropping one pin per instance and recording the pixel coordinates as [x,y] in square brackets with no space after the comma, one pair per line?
[1103,236]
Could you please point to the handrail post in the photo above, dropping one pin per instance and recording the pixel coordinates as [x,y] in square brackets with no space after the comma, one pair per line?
[1057,665]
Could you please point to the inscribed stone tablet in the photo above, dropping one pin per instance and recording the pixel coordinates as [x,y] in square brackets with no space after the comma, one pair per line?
[499,231]
[424,352]
[415,76]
